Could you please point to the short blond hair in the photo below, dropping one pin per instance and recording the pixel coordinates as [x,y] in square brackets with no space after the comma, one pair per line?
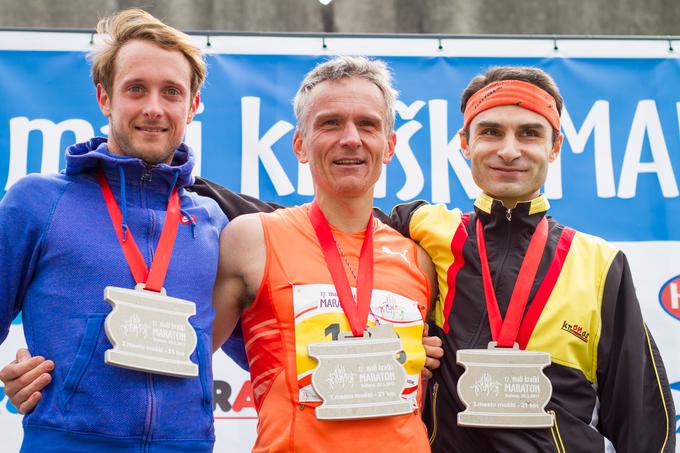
[343,66]
[136,24]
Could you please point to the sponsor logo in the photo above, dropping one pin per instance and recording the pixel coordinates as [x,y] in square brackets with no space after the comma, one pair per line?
[240,406]
[403,255]
[185,219]
[576,330]
[669,297]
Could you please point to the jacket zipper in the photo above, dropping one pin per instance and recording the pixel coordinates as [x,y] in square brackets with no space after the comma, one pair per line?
[435,392]
[555,431]
[508,214]
[148,431]
[148,428]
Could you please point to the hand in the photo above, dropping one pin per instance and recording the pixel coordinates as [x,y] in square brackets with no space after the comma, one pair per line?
[433,351]
[24,378]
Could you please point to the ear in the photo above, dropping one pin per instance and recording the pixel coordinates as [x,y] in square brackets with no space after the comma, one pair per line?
[104,100]
[557,146]
[464,144]
[299,148]
[193,108]
[391,144]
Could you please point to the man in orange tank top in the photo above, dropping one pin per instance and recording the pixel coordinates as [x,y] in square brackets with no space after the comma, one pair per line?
[304,279]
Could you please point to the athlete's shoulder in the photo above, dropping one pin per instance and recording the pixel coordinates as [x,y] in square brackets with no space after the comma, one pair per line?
[590,246]
[430,218]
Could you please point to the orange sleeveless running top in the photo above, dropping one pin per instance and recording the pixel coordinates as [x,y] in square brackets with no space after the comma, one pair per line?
[296,305]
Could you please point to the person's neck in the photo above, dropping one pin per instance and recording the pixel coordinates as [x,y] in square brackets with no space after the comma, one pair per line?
[349,214]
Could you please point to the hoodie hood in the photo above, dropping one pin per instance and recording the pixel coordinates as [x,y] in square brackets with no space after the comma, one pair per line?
[87,156]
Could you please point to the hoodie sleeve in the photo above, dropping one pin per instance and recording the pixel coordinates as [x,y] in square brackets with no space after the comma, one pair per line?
[636,407]
[25,211]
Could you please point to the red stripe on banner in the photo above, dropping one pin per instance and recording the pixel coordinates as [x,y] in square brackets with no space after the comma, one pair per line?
[235,418]
[536,308]
[457,243]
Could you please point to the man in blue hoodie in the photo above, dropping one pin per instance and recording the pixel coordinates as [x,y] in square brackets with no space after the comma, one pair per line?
[62,244]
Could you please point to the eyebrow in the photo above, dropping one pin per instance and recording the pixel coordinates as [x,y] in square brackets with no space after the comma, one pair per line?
[488,124]
[142,80]
[324,115]
[532,126]
[521,126]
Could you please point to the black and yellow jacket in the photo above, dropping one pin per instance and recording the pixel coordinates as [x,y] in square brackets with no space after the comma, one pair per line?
[610,389]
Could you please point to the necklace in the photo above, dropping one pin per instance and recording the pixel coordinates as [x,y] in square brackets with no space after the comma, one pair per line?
[344,257]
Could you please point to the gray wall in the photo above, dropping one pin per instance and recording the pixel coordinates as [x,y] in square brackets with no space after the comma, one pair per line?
[582,17]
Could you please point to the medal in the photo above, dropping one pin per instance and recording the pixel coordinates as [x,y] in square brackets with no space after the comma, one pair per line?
[149,331]
[503,386]
[358,376]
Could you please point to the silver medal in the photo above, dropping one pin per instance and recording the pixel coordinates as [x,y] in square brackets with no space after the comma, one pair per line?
[360,377]
[504,388]
[150,331]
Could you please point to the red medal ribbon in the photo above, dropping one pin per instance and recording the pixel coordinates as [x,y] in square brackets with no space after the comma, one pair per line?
[154,278]
[504,331]
[356,312]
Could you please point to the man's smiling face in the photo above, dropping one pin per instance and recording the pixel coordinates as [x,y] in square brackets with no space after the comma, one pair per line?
[509,148]
[150,102]
[345,138]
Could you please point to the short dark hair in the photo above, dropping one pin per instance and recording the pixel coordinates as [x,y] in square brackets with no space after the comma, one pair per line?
[535,76]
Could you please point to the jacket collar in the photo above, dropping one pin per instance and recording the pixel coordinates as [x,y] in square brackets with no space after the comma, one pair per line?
[489,205]
[87,156]
[526,214]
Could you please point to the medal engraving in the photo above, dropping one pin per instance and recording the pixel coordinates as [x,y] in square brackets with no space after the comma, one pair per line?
[150,332]
[504,388]
[360,377]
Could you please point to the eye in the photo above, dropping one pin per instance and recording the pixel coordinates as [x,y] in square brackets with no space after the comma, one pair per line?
[172,91]
[490,131]
[136,89]
[330,122]
[367,124]
[530,133]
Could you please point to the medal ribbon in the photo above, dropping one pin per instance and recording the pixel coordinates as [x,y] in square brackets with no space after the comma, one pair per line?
[504,331]
[155,277]
[356,312]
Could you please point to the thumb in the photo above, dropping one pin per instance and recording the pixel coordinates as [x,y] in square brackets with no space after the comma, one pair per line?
[23,354]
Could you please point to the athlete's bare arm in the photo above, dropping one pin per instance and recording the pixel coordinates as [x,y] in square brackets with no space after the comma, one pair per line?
[240,271]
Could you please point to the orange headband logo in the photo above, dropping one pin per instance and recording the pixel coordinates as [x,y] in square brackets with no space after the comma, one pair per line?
[512,92]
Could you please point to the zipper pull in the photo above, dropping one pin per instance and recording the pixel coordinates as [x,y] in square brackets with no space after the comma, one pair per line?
[508,214]
[146,175]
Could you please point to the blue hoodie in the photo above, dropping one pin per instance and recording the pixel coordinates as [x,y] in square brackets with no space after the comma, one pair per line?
[59,250]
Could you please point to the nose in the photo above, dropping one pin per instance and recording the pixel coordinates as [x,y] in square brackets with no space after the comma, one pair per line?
[509,149]
[152,108]
[350,136]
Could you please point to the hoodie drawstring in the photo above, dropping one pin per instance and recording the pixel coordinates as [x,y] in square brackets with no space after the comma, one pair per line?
[191,221]
[123,202]
[182,211]
[174,180]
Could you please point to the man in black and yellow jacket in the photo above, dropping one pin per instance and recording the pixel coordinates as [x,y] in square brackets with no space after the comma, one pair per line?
[609,387]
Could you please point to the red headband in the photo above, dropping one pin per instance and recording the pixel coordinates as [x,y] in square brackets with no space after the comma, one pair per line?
[512,92]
